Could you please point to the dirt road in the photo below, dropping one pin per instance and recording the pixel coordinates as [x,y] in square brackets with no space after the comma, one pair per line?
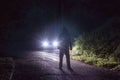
[43,65]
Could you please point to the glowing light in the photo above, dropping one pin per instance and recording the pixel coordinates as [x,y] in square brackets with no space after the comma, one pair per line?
[45,44]
[55,43]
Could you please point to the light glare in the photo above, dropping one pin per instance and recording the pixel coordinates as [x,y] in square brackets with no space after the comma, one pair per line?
[55,43]
[45,44]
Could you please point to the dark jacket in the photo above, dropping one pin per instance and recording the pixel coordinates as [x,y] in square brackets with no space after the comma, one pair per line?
[65,41]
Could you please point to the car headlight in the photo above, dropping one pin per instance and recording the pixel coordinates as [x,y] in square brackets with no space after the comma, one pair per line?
[45,44]
[55,43]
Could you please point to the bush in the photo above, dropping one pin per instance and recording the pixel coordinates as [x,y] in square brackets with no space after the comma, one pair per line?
[98,48]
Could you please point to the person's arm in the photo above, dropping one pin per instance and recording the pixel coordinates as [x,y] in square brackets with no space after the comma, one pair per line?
[70,45]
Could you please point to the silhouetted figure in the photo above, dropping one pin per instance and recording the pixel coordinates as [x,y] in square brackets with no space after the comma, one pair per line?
[65,45]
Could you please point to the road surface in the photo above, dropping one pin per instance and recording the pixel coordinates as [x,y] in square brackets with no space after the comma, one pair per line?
[43,65]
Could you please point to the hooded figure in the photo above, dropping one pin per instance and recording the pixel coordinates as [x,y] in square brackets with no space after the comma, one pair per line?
[65,45]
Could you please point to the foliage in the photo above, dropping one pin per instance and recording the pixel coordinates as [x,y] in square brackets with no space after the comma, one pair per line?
[106,64]
[101,48]
[94,60]
[117,68]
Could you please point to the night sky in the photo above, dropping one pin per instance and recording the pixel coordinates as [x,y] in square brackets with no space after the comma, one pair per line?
[23,19]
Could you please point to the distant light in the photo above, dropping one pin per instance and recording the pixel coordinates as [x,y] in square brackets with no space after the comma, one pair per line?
[55,43]
[45,44]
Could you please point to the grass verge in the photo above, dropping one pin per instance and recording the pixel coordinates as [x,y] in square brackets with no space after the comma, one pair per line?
[95,60]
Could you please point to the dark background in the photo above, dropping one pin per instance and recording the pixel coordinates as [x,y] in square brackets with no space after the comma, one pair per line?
[25,21]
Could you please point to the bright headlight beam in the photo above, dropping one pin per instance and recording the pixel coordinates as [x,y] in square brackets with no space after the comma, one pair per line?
[45,44]
[55,43]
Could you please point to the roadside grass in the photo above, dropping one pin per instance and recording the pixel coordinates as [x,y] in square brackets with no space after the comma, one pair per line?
[6,66]
[97,61]
[116,68]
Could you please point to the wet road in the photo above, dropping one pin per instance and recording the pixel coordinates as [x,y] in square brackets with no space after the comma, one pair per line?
[43,65]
